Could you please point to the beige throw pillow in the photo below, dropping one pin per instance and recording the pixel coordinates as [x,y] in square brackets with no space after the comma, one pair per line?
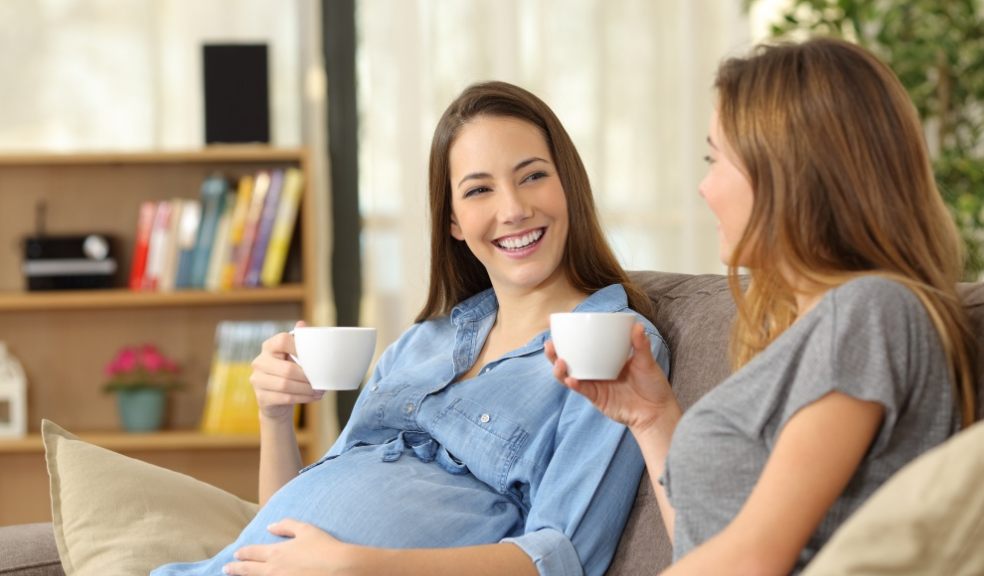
[116,515]
[927,519]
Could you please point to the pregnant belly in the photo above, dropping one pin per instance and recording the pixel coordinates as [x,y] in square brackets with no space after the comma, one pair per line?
[402,504]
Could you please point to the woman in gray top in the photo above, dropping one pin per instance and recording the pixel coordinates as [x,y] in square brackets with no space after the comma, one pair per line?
[851,349]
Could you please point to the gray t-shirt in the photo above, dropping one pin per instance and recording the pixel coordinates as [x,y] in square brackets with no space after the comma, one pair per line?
[870,338]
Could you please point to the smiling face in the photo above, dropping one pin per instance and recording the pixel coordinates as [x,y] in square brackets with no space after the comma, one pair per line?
[727,191]
[507,202]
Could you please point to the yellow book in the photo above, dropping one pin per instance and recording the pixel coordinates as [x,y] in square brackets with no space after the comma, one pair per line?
[230,403]
[237,224]
[283,228]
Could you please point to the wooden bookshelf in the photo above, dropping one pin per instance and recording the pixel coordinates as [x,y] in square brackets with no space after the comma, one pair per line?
[63,338]
[123,298]
[168,440]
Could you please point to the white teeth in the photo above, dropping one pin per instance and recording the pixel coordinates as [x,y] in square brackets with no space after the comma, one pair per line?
[518,242]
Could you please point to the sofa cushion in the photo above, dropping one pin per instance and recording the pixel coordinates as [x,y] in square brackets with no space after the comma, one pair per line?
[116,515]
[927,519]
[29,550]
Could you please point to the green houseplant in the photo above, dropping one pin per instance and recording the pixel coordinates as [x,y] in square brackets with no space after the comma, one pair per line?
[937,49]
[141,377]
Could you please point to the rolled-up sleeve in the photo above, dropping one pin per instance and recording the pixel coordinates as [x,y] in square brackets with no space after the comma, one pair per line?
[584,498]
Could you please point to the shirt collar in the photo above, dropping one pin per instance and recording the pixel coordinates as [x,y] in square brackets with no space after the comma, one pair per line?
[475,307]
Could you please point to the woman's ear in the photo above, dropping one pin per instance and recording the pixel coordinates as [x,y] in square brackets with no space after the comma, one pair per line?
[456,230]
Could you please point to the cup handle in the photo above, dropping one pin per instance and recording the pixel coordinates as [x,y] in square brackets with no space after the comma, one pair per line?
[292,357]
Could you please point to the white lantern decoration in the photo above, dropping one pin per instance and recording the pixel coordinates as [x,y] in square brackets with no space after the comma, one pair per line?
[13,396]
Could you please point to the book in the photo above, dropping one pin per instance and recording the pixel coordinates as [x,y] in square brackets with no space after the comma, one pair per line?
[191,216]
[230,403]
[212,196]
[220,246]
[145,222]
[261,183]
[236,226]
[158,246]
[283,228]
[169,266]
[264,228]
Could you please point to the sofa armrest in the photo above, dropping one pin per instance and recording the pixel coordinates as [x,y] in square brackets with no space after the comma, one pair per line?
[29,550]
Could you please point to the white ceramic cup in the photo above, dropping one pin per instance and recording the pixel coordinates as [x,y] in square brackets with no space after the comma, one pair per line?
[595,345]
[334,357]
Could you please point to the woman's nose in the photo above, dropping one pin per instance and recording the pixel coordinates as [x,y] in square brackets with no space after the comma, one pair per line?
[513,207]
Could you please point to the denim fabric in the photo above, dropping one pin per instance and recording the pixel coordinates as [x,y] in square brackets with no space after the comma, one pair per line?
[509,455]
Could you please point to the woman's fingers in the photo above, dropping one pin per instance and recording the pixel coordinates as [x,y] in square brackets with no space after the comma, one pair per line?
[550,350]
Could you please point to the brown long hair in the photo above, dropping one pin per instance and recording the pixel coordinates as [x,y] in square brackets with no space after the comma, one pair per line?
[455,272]
[834,151]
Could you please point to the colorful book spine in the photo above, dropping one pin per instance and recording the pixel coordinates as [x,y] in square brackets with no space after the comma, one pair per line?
[169,268]
[212,195]
[264,229]
[157,249]
[145,223]
[283,228]
[261,184]
[236,226]
[220,247]
[191,217]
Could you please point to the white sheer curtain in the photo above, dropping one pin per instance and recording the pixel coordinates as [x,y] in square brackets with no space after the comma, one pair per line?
[84,75]
[630,79]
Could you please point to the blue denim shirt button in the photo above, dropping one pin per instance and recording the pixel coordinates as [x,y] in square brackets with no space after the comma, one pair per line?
[409,407]
[375,388]
[485,418]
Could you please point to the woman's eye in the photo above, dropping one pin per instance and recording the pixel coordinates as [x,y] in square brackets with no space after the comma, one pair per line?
[535,176]
[476,190]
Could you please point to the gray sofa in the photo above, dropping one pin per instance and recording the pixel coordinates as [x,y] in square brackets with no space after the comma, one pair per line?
[694,314]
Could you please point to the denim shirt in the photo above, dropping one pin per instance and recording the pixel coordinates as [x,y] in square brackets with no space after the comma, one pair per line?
[570,471]
[510,455]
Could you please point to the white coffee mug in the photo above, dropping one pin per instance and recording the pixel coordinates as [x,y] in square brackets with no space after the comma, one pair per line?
[594,345]
[334,357]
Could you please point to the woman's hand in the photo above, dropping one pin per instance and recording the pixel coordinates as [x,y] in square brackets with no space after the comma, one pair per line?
[309,551]
[638,398]
[277,381]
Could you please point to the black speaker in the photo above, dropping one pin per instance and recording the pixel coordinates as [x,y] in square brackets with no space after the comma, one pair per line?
[237,95]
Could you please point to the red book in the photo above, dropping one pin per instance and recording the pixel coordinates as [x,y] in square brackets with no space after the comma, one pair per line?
[145,222]
[157,251]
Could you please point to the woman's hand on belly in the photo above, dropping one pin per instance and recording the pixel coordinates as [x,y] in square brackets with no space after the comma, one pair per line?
[308,551]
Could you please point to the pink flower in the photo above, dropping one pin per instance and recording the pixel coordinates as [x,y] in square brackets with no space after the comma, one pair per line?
[140,367]
[125,361]
[151,359]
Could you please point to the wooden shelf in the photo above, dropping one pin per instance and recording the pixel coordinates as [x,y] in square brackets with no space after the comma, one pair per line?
[122,298]
[154,441]
[219,154]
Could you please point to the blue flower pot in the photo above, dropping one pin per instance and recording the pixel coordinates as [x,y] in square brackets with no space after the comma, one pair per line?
[141,410]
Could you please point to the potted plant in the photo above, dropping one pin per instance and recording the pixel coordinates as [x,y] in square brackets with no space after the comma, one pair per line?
[140,376]
[937,50]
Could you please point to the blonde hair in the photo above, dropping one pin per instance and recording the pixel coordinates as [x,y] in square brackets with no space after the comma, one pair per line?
[834,152]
